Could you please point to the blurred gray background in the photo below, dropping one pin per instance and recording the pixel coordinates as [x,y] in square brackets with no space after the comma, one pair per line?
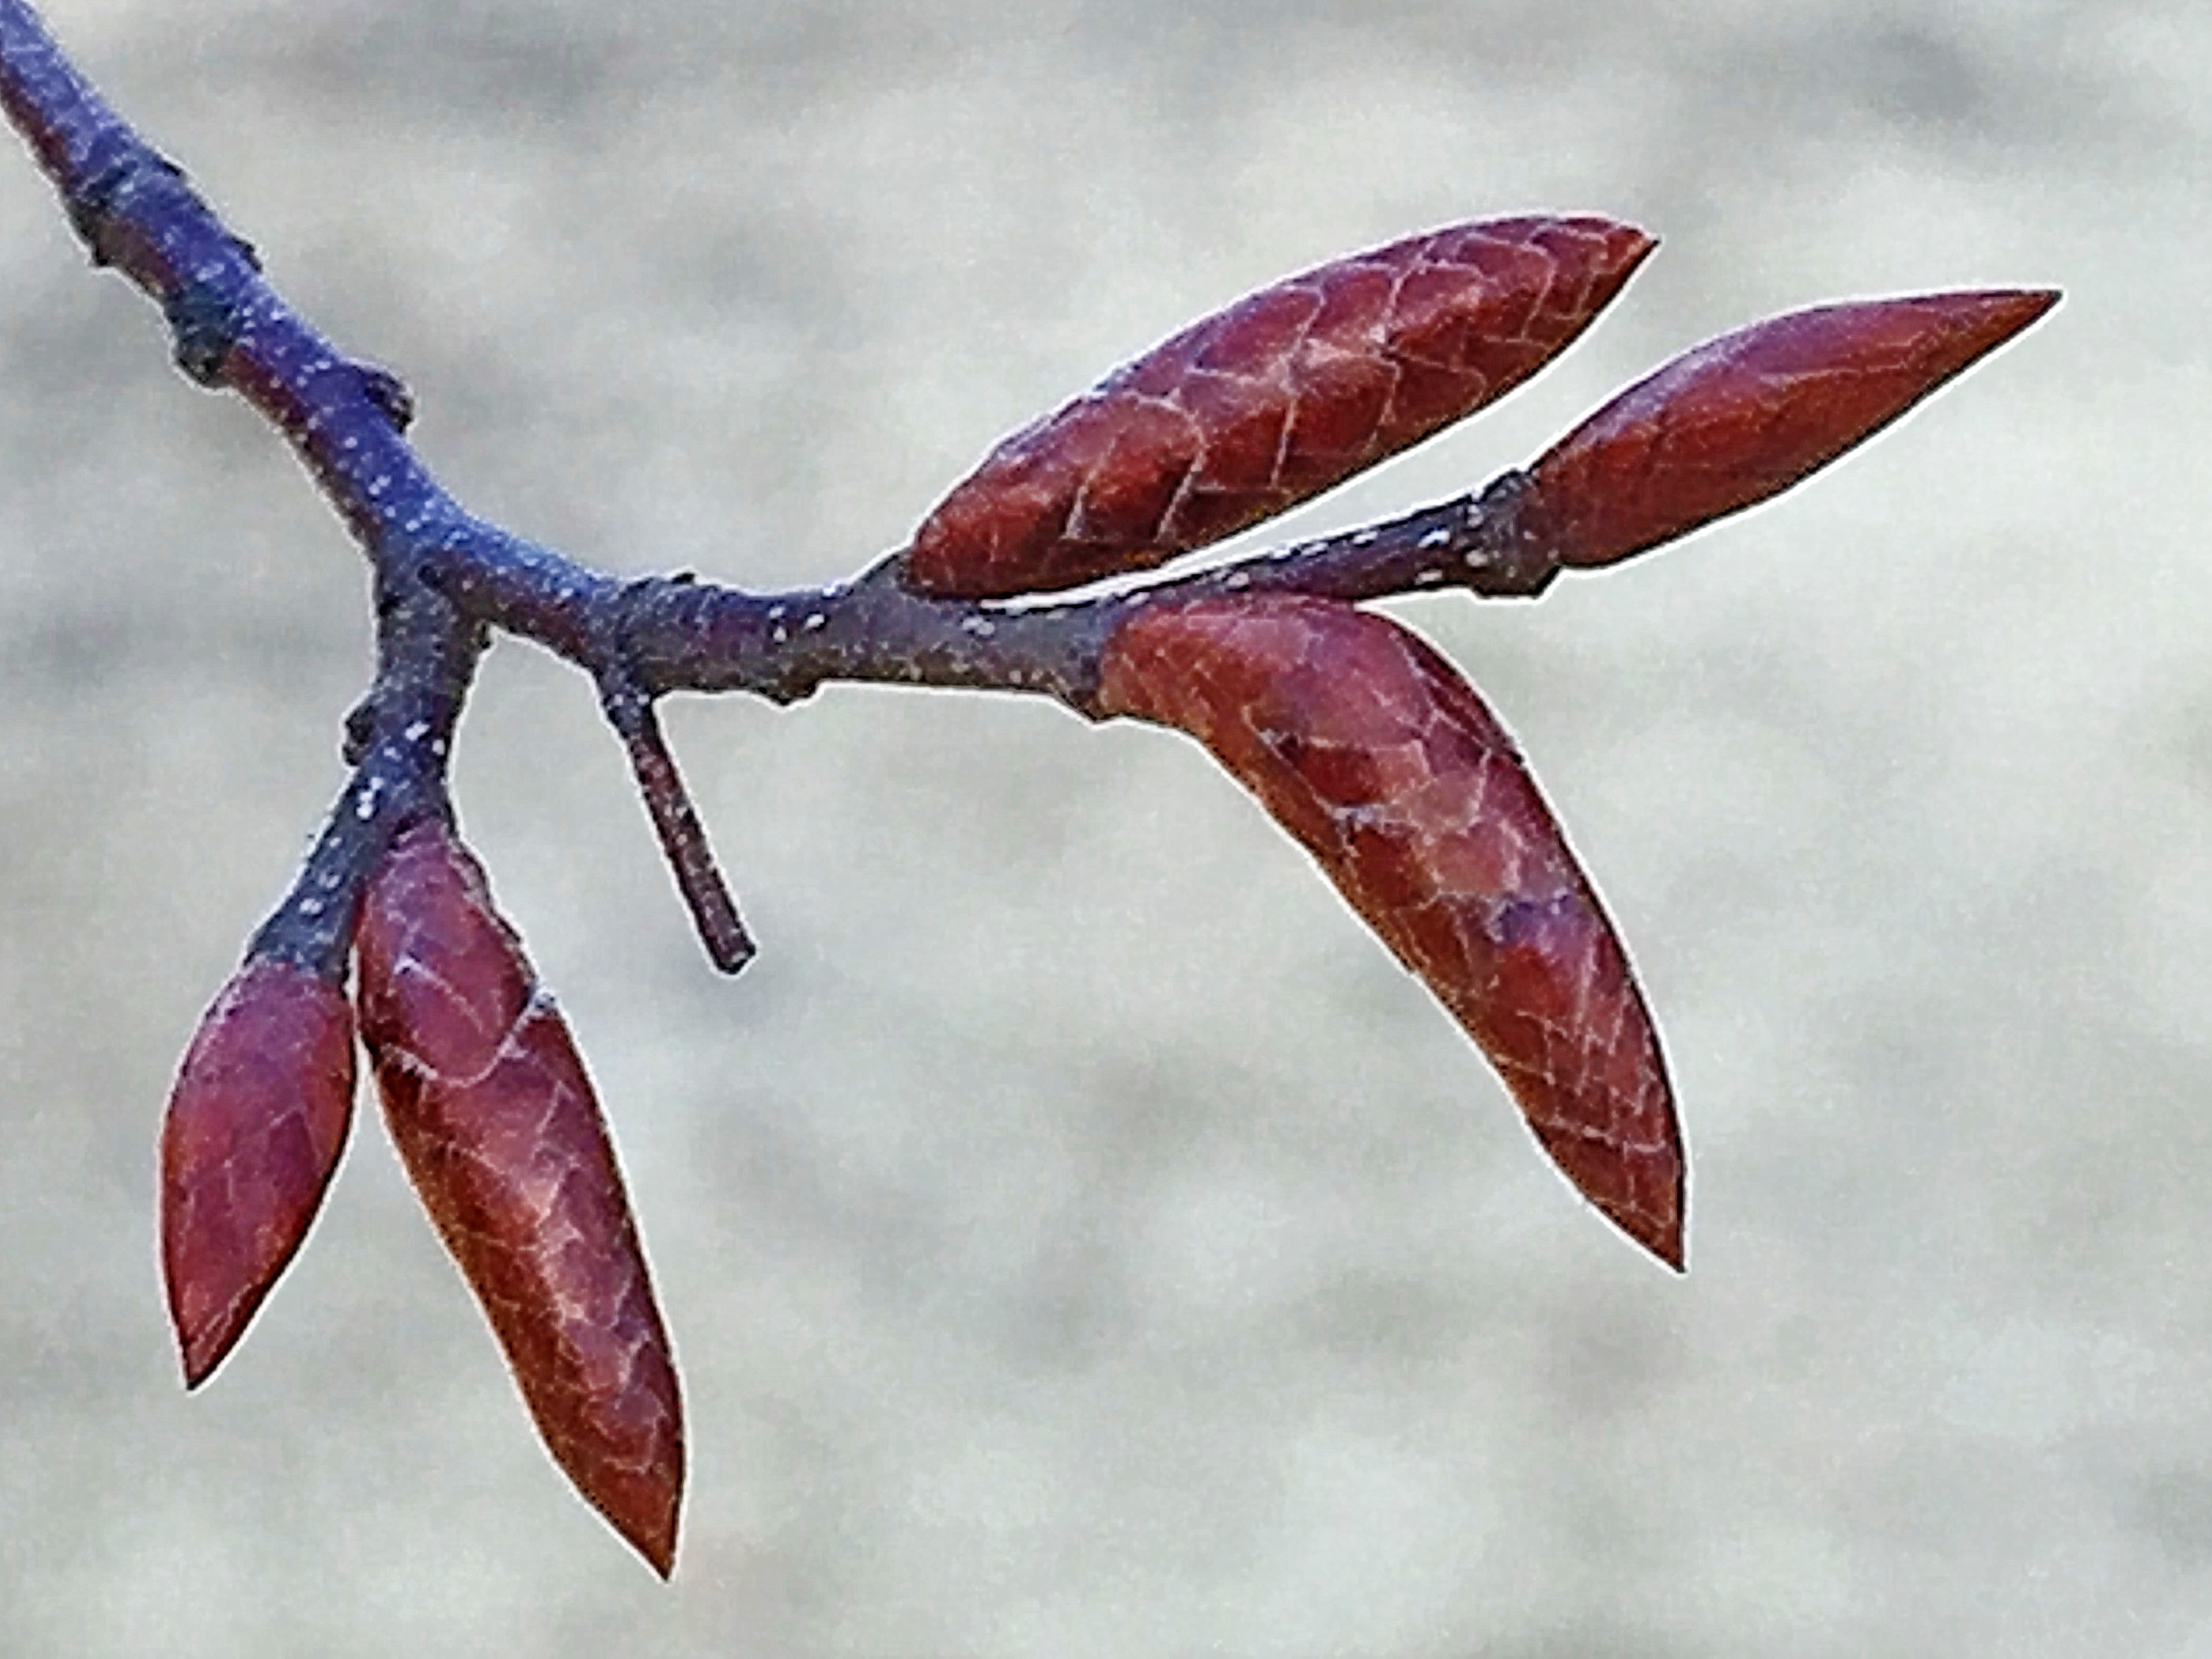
[1078,1235]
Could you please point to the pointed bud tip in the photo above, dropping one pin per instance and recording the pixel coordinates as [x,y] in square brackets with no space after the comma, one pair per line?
[2027,304]
[658,1547]
[1638,1184]
[200,1351]
[1663,1238]
[641,1497]
[1993,315]
[1661,1228]
[643,1505]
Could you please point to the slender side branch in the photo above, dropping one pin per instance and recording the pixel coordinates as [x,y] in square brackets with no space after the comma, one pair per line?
[676,821]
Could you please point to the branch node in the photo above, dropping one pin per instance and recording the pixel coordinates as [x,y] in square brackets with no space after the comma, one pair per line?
[204,327]
[1510,560]
[388,392]
[91,203]
[360,730]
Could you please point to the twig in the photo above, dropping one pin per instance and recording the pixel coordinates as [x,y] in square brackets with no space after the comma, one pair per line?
[441,574]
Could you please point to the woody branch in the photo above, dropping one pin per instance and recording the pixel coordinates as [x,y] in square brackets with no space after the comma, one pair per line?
[442,575]
[1366,746]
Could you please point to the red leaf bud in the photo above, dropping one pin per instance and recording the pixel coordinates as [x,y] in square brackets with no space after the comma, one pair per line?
[1745,416]
[496,1121]
[1384,764]
[1285,394]
[255,1124]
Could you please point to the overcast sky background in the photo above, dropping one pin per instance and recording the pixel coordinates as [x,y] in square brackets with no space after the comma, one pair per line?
[1078,1236]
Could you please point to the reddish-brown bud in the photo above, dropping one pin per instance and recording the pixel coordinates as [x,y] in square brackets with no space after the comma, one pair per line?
[1370,750]
[1285,394]
[498,1128]
[1745,416]
[255,1124]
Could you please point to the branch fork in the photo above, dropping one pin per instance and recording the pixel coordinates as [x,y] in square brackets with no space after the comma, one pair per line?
[1369,748]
